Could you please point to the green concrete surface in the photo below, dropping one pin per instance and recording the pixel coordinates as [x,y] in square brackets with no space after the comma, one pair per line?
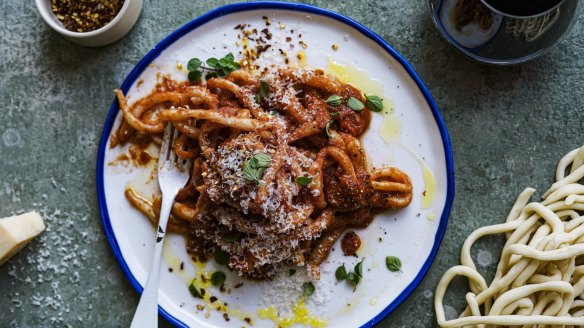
[509,127]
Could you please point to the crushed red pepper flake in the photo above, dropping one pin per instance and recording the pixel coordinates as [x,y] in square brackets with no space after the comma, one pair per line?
[85,15]
[256,41]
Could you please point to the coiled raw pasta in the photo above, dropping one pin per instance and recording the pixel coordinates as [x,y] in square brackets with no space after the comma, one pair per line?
[540,278]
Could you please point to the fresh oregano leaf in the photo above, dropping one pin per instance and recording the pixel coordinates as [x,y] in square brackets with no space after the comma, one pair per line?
[194,64]
[334,100]
[359,268]
[353,279]
[218,278]
[264,89]
[374,103]
[328,126]
[262,160]
[303,181]
[308,288]
[194,76]
[232,236]
[341,273]
[355,104]
[212,62]
[221,256]
[194,290]
[393,263]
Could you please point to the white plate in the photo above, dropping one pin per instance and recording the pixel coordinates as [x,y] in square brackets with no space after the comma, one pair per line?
[411,233]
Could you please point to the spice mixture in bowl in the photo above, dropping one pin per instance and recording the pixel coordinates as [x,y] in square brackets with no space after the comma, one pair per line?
[90,23]
[85,15]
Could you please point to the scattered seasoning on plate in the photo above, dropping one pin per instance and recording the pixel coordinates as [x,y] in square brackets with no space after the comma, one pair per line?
[85,15]
[253,41]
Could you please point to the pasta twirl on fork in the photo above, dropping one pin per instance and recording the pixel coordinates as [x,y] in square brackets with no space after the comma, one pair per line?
[278,172]
[540,277]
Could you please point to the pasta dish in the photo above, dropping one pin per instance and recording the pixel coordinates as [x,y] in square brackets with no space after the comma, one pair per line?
[279,172]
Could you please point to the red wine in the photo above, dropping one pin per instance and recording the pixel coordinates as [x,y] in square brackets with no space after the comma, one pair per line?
[522,7]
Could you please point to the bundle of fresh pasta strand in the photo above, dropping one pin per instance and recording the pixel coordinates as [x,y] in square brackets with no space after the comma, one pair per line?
[540,278]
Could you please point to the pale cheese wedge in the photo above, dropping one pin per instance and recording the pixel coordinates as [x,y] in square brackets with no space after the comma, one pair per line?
[17,231]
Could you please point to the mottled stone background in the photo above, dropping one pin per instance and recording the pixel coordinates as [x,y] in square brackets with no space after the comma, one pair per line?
[509,127]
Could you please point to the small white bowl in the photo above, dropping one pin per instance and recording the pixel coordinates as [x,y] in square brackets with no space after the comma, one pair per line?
[109,33]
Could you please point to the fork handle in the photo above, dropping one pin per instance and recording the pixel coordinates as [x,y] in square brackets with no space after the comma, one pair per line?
[146,314]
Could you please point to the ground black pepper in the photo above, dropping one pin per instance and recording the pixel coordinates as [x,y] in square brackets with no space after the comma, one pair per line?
[85,15]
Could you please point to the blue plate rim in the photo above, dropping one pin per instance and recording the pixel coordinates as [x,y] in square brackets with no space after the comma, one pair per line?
[247,6]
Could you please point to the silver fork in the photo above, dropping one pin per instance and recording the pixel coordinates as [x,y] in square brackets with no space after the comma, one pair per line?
[173,174]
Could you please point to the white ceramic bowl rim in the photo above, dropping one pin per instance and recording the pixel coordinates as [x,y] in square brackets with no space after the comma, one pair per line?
[46,12]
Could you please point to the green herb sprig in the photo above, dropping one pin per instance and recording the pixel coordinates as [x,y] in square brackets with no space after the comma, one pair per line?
[373,102]
[253,169]
[352,277]
[215,67]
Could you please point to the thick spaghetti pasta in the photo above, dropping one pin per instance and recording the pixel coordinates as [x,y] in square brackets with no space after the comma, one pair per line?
[540,277]
[278,172]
